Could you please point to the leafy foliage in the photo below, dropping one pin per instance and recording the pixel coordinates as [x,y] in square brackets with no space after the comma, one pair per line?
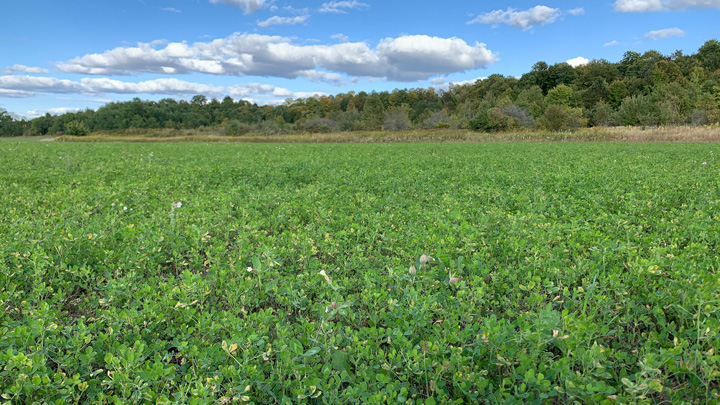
[200,273]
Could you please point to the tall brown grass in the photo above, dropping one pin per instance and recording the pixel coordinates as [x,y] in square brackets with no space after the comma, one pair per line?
[598,134]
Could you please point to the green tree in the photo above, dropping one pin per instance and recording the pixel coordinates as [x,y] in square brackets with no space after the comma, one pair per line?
[374,112]
[638,110]
[709,55]
[8,125]
[558,117]
[673,103]
[76,128]
[555,118]
[598,68]
[489,118]
[601,115]
[562,95]
[198,100]
[599,91]
[532,100]
[41,125]
[236,128]
[617,93]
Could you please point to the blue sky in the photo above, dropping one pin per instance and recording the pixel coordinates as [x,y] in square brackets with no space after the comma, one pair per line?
[60,56]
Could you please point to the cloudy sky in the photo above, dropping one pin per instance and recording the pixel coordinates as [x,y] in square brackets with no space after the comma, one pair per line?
[59,56]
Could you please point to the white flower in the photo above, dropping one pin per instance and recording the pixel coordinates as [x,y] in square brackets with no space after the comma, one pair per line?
[124,208]
[249,269]
[177,204]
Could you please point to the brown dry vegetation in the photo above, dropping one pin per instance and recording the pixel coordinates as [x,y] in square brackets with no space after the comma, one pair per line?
[597,134]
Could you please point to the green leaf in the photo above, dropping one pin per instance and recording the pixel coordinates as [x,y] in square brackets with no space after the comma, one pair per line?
[340,361]
[257,265]
[312,352]
[295,346]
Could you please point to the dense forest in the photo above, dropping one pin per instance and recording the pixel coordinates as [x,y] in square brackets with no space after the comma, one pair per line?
[647,89]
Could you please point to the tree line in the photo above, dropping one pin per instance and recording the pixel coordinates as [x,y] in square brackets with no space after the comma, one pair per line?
[646,89]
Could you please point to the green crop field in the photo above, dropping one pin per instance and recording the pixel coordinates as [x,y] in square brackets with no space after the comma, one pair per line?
[376,273]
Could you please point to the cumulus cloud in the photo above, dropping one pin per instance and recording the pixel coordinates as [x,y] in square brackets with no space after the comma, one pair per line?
[10,70]
[579,61]
[275,20]
[248,6]
[611,43]
[28,86]
[525,20]
[577,11]
[665,33]
[342,6]
[418,57]
[407,58]
[641,6]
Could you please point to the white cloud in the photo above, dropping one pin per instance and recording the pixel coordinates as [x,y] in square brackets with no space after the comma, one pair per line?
[635,6]
[444,83]
[92,100]
[340,6]
[9,93]
[641,6]
[418,57]
[157,86]
[327,77]
[275,20]
[577,11]
[51,111]
[32,84]
[411,57]
[666,33]
[538,15]
[171,9]
[579,61]
[28,86]
[466,82]
[300,11]
[10,70]
[248,6]
[611,43]
[340,37]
